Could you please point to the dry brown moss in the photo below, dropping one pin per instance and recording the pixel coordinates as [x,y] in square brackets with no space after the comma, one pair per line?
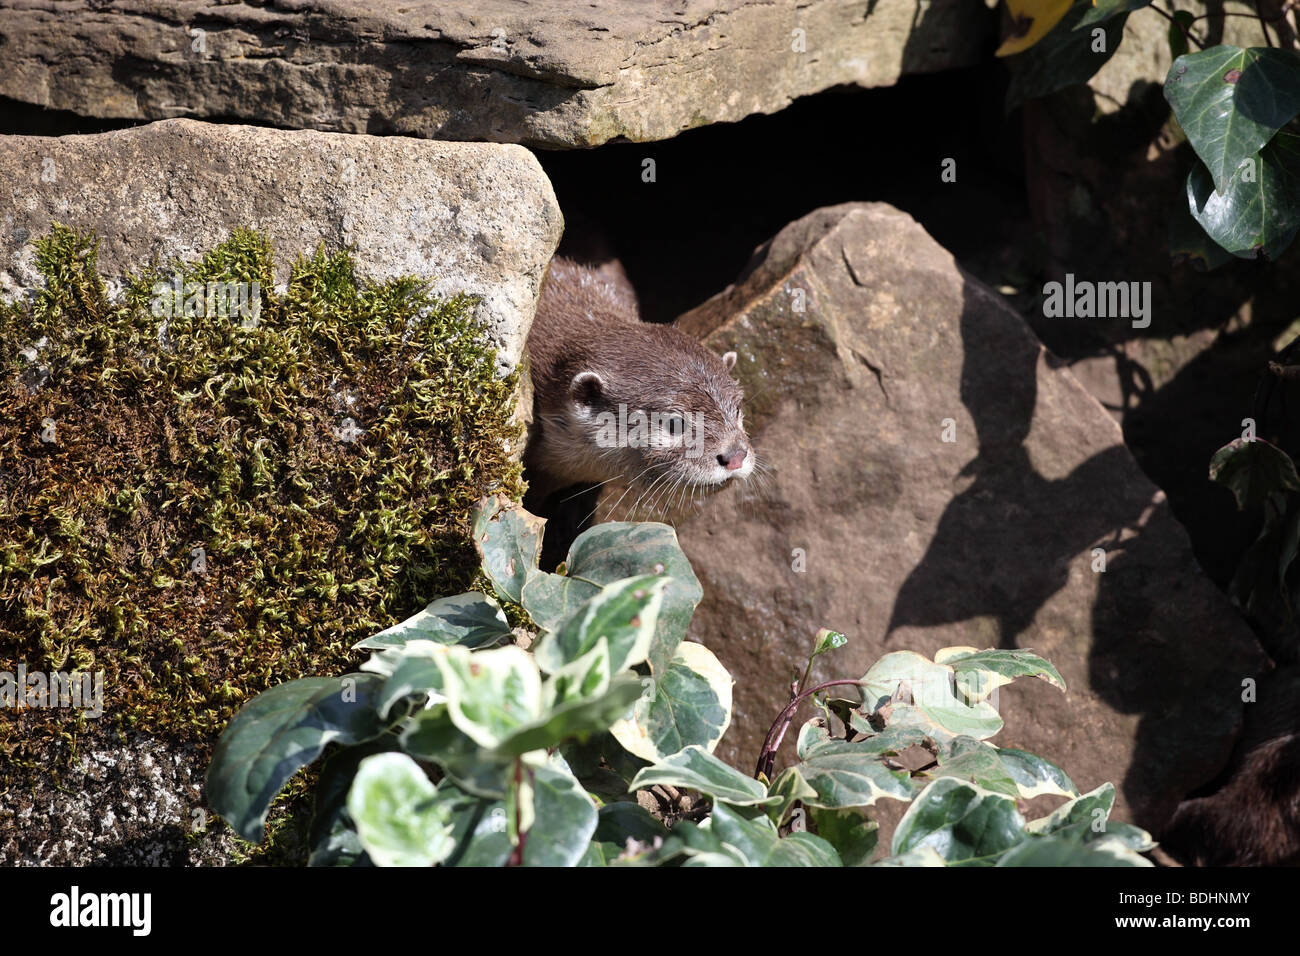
[224,434]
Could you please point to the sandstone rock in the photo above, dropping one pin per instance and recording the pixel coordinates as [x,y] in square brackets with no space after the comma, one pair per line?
[915,543]
[475,217]
[542,72]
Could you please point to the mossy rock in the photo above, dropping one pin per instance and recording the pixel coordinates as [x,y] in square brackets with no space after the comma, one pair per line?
[324,452]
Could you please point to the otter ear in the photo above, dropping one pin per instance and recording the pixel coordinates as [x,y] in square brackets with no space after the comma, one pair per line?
[585,389]
[729,360]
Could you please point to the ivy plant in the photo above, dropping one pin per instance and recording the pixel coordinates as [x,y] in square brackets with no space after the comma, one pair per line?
[1237,107]
[588,737]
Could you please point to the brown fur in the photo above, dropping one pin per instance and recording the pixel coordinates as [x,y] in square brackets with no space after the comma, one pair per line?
[1252,818]
[587,323]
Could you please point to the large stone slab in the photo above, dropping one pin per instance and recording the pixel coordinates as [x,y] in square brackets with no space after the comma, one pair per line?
[475,217]
[913,542]
[540,72]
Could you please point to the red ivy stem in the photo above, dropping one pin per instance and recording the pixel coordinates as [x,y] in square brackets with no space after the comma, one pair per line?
[517,854]
[767,757]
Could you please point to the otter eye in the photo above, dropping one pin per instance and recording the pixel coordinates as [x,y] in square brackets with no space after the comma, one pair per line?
[676,425]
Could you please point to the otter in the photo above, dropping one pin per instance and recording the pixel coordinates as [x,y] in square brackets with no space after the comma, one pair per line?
[616,398]
[1250,815]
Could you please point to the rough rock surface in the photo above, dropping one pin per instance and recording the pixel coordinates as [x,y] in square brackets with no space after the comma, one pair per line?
[480,218]
[476,217]
[540,72]
[139,803]
[915,543]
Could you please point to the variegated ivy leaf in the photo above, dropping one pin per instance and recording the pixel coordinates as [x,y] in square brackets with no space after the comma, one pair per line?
[931,689]
[688,704]
[491,694]
[966,824]
[697,769]
[623,614]
[788,788]
[398,817]
[411,669]
[1035,776]
[509,542]
[756,839]
[980,672]
[473,619]
[563,818]
[1053,851]
[607,553]
[852,774]
[1086,819]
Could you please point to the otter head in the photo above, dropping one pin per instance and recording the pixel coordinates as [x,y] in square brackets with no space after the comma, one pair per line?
[669,420]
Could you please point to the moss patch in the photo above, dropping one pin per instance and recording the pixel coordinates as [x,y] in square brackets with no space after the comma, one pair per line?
[324,455]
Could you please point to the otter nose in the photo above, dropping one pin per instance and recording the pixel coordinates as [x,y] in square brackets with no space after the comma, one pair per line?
[732,459]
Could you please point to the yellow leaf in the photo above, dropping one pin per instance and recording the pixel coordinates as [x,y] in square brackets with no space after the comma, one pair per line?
[1030,21]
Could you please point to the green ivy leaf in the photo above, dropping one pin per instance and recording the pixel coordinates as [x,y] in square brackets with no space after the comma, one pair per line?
[1253,470]
[509,542]
[1102,10]
[1189,242]
[1180,25]
[1257,215]
[398,818]
[689,703]
[333,836]
[1063,57]
[478,827]
[852,835]
[1230,102]
[966,824]
[696,768]
[279,732]
[474,620]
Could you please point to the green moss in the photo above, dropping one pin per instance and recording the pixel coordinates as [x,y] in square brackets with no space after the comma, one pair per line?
[234,435]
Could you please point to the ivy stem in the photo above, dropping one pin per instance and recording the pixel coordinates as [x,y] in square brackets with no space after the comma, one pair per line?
[767,757]
[517,854]
[1191,37]
[1263,24]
